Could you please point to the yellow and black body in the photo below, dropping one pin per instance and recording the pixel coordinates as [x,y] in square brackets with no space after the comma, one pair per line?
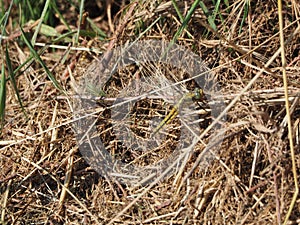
[197,94]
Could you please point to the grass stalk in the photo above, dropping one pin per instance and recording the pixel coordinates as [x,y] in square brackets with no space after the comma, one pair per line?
[287,109]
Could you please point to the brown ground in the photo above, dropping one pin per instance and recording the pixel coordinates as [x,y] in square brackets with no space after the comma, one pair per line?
[250,182]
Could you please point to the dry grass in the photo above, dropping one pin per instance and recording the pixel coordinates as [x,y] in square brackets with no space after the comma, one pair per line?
[250,182]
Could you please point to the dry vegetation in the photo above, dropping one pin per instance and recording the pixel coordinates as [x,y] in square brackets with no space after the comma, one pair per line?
[250,182]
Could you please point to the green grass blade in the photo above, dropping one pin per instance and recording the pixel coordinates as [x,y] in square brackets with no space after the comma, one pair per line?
[27,63]
[246,11]
[2,96]
[182,27]
[80,20]
[1,8]
[181,17]
[38,58]
[30,9]
[217,12]
[3,79]
[46,30]
[177,10]
[13,80]
[64,36]
[46,6]
[204,8]
[185,21]
[210,18]
[98,31]
[2,18]
[60,16]
[5,19]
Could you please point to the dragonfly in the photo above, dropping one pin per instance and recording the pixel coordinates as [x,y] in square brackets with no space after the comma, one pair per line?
[197,94]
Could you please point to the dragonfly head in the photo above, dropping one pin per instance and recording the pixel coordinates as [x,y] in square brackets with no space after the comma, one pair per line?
[198,93]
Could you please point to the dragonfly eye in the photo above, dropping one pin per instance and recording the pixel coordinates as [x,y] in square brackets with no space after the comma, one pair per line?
[198,93]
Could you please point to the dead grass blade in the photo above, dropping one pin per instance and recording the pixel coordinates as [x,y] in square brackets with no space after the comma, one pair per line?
[5,201]
[287,109]
[63,193]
